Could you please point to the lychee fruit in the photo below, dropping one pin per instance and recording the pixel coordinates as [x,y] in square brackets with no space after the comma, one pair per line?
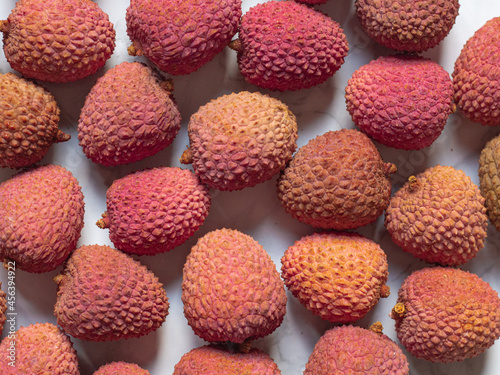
[407,25]
[338,180]
[438,216]
[231,288]
[489,179]
[41,218]
[105,295]
[179,37]
[29,120]
[220,360]
[339,276]
[401,101]
[476,75]
[355,350]
[240,140]
[128,115]
[40,348]
[155,210]
[121,368]
[57,40]
[446,314]
[286,46]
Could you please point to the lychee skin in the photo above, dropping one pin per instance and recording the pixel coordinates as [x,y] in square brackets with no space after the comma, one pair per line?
[29,120]
[155,210]
[407,26]
[128,115]
[339,276]
[476,76]
[219,360]
[231,289]
[104,294]
[446,314]
[401,101]
[40,348]
[240,140]
[41,218]
[179,37]
[121,368]
[438,216]
[338,180]
[357,351]
[286,46]
[57,40]
[489,179]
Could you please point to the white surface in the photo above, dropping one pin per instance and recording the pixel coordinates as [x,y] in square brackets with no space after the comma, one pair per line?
[256,211]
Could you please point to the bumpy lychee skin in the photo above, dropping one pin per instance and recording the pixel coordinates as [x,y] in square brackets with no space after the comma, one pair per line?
[181,36]
[105,295]
[337,180]
[219,360]
[401,101]
[231,288]
[407,25]
[128,115]
[446,314]
[489,179]
[240,140]
[3,301]
[155,210]
[476,75]
[357,351]
[57,40]
[29,120]
[41,348]
[41,218]
[284,45]
[121,368]
[438,216]
[338,276]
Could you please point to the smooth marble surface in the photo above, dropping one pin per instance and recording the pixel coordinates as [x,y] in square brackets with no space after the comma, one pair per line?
[256,211]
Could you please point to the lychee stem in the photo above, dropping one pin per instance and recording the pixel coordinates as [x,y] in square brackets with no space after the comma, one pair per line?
[134,51]
[4,26]
[187,156]
[412,183]
[236,45]
[385,291]
[390,168]
[62,137]
[167,85]
[104,222]
[376,328]
[398,311]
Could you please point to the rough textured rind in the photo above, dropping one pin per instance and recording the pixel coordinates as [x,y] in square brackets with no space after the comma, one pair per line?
[154,210]
[438,216]
[407,25]
[446,314]
[40,348]
[338,276]
[3,303]
[128,115]
[337,180]
[356,351]
[57,40]
[41,218]
[240,140]
[401,101]
[104,295]
[121,368]
[489,179]
[476,75]
[231,288]
[29,119]
[284,45]
[219,360]
[180,36]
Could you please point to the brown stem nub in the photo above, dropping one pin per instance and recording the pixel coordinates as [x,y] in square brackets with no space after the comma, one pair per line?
[236,45]
[62,137]
[412,183]
[385,291]
[398,311]
[4,26]
[104,222]
[376,328]
[187,156]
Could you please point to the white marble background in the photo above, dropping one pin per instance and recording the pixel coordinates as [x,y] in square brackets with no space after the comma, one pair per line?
[256,211]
